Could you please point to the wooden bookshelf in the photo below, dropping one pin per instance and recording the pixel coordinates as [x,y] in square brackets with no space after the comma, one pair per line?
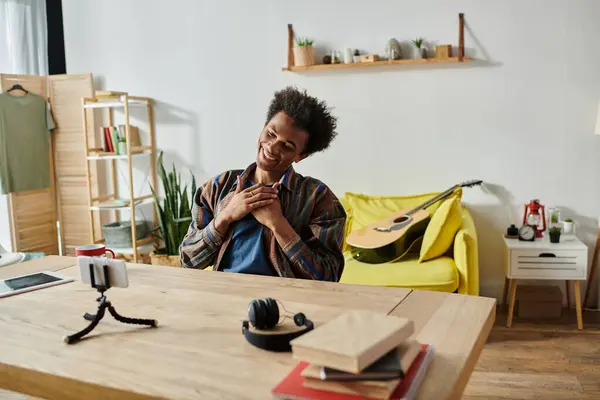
[403,62]
[112,202]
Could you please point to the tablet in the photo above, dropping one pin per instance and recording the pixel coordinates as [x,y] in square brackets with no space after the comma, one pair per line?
[35,281]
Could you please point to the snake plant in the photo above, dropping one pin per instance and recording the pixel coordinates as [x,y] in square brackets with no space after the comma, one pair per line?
[174,214]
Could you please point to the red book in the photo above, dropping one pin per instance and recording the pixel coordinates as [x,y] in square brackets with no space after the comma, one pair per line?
[292,386]
[108,140]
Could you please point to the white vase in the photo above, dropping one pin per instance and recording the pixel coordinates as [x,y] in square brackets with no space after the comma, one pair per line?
[568,227]
[122,148]
[417,53]
[348,56]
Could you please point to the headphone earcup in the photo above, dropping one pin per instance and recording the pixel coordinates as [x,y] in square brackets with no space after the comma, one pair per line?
[253,313]
[300,319]
[272,312]
[263,313]
[257,314]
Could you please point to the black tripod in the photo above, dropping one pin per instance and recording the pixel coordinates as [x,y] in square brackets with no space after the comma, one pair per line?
[103,304]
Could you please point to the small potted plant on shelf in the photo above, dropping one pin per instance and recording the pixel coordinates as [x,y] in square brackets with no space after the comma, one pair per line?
[174,215]
[554,217]
[356,56]
[122,147]
[554,233]
[568,225]
[304,53]
[420,52]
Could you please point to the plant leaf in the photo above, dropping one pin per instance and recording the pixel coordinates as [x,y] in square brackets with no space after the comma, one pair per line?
[174,214]
[194,189]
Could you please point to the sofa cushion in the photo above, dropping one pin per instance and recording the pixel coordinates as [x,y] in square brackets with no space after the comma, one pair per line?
[442,228]
[439,274]
[366,210]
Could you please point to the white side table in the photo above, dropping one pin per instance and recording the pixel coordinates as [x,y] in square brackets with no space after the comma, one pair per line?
[541,259]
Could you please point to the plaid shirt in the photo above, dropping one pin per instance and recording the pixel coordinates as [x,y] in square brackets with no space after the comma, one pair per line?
[310,207]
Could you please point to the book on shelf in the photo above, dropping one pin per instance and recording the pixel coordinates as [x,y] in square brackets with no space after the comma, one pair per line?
[352,341]
[107,93]
[112,135]
[299,384]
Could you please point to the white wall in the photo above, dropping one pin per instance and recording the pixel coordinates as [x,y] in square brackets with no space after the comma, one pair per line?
[521,118]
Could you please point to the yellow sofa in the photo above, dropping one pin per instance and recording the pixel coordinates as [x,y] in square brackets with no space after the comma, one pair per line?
[456,271]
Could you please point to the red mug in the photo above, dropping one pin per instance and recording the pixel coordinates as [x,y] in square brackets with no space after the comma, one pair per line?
[93,250]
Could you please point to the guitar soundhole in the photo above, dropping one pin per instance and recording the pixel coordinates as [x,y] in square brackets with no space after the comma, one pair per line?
[401,219]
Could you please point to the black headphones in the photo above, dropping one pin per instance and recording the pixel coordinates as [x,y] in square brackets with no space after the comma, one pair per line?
[264,314]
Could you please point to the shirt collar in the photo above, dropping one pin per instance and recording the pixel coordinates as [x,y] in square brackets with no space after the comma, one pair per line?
[288,180]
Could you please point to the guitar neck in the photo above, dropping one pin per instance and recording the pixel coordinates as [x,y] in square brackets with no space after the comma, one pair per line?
[433,200]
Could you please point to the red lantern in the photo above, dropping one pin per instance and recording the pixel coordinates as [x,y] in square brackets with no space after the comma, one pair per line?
[532,216]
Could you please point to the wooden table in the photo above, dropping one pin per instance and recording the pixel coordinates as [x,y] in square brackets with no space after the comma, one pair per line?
[198,350]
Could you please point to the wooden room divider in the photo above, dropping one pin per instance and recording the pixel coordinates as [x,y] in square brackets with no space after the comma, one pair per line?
[33,215]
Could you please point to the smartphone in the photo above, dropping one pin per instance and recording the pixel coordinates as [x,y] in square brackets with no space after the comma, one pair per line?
[30,282]
[117,271]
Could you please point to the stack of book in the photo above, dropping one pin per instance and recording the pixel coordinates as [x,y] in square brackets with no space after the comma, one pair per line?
[359,355]
[113,136]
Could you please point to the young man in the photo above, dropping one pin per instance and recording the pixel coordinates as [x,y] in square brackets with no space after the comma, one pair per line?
[268,219]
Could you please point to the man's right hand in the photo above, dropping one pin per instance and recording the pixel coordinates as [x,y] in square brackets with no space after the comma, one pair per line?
[242,202]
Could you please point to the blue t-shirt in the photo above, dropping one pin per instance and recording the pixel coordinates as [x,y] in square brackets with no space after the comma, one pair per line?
[245,252]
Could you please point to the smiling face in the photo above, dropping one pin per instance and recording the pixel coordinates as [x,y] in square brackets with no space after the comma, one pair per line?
[280,144]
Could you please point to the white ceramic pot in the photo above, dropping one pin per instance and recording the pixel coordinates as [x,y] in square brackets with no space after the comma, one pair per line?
[122,148]
[356,59]
[417,53]
[348,56]
[568,227]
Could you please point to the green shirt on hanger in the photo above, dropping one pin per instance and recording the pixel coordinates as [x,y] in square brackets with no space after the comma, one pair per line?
[25,122]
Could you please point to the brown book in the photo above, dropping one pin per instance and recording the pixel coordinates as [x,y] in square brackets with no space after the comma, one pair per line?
[381,390]
[352,341]
[314,372]
[135,136]
[393,365]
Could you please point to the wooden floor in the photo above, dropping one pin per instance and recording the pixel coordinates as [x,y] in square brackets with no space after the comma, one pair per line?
[539,360]
[532,360]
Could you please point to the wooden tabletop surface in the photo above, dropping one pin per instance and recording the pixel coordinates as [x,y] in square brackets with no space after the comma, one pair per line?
[198,350]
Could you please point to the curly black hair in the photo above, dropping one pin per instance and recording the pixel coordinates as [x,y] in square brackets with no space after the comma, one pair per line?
[309,114]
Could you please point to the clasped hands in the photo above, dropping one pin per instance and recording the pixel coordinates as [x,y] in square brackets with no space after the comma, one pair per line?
[260,200]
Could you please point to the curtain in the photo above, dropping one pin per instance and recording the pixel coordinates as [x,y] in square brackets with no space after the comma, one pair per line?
[24,37]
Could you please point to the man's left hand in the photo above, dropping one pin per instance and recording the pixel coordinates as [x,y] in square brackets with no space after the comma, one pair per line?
[270,214]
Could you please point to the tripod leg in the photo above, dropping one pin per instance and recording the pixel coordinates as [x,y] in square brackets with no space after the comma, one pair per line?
[138,321]
[89,317]
[76,336]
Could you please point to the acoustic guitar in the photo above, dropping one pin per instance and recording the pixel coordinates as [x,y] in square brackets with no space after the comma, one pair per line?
[392,237]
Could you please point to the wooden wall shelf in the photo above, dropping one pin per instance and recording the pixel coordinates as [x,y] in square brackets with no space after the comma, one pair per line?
[319,67]
[374,64]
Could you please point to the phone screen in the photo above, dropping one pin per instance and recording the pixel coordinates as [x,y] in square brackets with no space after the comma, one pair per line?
[23,282]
